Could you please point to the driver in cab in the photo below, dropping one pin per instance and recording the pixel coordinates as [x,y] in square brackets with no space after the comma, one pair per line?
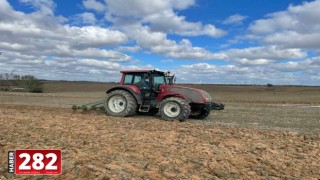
[143,83]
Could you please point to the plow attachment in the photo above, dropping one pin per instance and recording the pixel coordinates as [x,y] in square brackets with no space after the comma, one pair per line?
[98,105]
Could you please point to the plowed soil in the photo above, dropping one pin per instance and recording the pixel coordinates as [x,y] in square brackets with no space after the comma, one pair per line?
[95,146]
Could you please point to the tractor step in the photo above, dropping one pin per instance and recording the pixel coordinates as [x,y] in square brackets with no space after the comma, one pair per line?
[144,108]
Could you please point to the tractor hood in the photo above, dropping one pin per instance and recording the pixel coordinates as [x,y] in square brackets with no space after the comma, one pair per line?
[192,95]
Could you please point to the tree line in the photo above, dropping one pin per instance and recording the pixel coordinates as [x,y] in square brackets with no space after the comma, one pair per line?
[15,82]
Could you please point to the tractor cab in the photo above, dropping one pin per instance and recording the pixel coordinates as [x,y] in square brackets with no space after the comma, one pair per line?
[148,82]
[145,80]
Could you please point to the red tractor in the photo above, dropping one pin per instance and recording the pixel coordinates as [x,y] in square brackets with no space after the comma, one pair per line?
[149,92]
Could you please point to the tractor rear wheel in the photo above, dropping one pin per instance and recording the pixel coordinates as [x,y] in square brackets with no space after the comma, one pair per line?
[174,108]
[120,103]
[199,113]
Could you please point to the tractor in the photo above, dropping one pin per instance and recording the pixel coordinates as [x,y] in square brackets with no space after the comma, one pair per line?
[148,92]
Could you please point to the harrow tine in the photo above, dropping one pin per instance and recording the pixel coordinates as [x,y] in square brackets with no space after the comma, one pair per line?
[97,105]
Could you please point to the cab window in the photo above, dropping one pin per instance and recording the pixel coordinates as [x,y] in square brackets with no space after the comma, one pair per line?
[137,78]
[128,79]
[158,80]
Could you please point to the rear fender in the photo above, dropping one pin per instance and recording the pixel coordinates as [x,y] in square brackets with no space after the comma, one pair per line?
[132,89]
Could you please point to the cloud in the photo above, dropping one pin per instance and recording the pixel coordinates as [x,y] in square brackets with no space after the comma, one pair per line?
[262,54]
[44,45]
[132,49]
[80,47]
[235,19]
[65,68]
[169,22]
[160,15]
[94,5]
[247,56]
[109,55]
[297,27]
[275,73]
[131,17]
[292,39]
[45,7]
[308,65]
[140,8]
[28,37]
[94,36]
[46,35]
[157,42]
[85,18]
[182,4]
[99,64]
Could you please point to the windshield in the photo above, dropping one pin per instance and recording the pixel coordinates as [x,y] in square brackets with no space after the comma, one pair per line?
[159,79]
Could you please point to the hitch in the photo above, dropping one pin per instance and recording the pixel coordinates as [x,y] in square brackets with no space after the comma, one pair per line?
[214,106]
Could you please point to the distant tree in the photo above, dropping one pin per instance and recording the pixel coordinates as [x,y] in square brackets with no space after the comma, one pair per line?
[7,80]
[29,83]
[269,85]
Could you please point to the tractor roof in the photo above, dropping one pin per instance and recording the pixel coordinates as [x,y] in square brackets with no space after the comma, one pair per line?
[142,71]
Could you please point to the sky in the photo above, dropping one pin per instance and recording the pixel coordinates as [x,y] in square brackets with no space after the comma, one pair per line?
[200,41]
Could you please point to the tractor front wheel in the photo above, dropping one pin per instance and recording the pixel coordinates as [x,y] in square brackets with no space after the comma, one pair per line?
[120,103]
[174,108]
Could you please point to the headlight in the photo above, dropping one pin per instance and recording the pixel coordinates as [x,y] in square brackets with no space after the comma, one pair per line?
[208,99]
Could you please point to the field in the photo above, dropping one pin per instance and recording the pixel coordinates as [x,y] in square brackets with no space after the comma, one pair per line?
[264,133]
